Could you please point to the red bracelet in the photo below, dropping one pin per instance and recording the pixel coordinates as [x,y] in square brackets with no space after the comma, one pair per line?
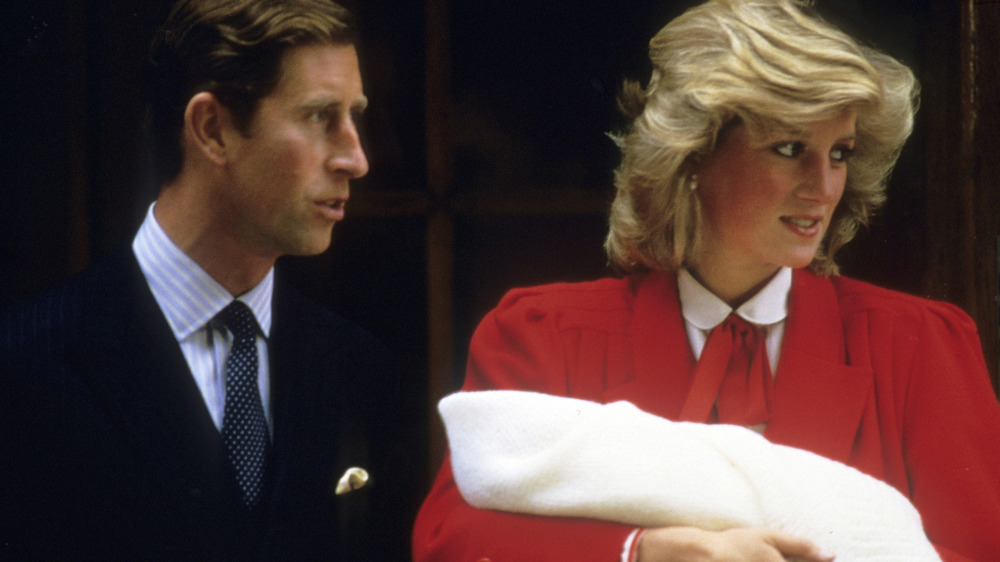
[633,547]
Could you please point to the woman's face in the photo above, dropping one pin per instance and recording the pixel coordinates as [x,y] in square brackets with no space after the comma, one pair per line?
[767,198]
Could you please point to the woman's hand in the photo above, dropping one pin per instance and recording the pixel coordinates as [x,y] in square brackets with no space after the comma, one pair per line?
[689,544]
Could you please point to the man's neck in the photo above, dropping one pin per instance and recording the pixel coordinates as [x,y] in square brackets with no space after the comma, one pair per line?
[199,235]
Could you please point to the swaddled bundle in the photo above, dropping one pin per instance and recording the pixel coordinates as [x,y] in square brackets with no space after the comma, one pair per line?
[545,455]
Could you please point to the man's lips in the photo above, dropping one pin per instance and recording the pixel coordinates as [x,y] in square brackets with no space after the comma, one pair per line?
[332,209]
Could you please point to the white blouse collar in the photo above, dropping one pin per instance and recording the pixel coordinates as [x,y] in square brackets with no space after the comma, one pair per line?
[701,308]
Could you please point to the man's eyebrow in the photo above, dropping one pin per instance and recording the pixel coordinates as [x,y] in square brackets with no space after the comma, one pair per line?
[358,105]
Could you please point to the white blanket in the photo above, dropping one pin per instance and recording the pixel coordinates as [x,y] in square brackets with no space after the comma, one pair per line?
[534,453]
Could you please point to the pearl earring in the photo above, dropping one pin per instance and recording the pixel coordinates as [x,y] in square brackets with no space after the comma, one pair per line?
[693,182]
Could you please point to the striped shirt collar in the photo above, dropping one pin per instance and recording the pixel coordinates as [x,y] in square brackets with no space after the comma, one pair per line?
[189,297]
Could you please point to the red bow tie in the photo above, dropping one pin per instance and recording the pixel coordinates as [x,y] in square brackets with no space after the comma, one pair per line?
[733,376]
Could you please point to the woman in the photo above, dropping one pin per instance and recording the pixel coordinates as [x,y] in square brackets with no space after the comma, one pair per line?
[762,142]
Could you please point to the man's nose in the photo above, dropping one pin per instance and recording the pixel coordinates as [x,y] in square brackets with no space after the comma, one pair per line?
[347,155]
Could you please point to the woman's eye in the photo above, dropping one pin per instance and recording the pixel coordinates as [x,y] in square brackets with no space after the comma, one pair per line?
[789,149]
[840,153]
[318,116]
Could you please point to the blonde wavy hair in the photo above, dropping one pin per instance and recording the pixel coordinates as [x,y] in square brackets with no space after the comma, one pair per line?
[767,63]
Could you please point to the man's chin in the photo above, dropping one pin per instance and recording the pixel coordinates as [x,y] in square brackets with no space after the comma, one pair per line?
[311,247]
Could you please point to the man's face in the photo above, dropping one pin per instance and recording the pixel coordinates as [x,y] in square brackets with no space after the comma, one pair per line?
[288,174]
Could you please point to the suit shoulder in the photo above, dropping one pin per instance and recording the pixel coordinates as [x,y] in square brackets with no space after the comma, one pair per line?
[74,310]
[860,297]
[44,323]
[607,293]
[296,311]
[601,304]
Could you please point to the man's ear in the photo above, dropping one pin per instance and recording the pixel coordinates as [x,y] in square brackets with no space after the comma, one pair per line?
[207,125]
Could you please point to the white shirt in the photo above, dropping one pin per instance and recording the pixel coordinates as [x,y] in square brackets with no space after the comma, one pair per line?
[190,299]
[702,311]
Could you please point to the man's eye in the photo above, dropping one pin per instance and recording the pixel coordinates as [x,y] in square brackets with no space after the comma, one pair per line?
[318,116]
[789,149]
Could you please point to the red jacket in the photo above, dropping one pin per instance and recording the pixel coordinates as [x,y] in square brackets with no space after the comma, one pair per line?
[891,384]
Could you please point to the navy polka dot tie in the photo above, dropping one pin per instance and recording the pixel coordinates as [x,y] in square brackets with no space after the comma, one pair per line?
[244,429]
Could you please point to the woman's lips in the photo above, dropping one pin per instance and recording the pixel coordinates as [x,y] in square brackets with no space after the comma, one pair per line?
[806,226]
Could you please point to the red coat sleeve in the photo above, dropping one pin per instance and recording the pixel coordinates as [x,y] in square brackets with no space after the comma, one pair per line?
[951,438]
[517,346]
[939,420]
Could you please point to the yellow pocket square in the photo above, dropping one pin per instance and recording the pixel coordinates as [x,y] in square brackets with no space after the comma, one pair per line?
[353,479]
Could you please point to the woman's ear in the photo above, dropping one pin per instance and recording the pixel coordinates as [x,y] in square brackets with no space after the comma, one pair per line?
[206,122]
[689,169]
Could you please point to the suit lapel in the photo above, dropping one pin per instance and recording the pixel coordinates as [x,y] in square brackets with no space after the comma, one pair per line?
[135,368]
[292,376]
[320,407]
[819,398]
[663,360]
[308,398]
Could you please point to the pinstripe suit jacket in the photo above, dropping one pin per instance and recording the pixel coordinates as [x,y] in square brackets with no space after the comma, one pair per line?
[108,451]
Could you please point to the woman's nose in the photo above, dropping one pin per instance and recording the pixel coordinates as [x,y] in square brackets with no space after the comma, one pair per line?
[823,180]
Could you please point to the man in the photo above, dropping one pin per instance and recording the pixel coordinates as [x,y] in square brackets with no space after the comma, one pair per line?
[143,413]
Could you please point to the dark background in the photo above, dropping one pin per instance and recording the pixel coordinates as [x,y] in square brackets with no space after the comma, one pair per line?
[486,136]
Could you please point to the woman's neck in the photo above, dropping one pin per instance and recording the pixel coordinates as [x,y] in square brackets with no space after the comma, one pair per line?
[733,286]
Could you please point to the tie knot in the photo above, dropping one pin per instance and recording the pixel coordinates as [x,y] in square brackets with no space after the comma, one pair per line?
[740,326]
[732,377]
[239,319]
